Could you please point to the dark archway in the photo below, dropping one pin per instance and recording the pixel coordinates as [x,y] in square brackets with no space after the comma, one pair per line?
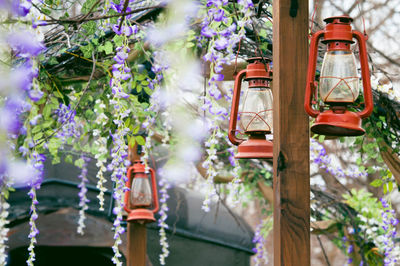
[62,256]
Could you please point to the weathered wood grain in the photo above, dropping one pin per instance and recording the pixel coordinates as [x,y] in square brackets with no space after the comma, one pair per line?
[137,235]
[291,135]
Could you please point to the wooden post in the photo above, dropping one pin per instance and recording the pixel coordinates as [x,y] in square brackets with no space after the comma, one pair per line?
[137,242]
[291,134]
[137,234]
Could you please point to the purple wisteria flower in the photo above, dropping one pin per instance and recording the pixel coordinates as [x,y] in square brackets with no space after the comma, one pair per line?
[260,245]
[83,200]
[390,233]
[319,156]
[25,44]
[36,163]
[164,186]
[68,126]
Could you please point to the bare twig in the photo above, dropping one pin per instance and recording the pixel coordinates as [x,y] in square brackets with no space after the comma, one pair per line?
[323,251]
[76,106]
[79,20]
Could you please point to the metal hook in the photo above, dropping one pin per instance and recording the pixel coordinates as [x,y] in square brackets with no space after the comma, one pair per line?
[294,6]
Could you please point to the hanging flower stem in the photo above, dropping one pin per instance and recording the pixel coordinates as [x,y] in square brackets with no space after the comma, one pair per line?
[83,203]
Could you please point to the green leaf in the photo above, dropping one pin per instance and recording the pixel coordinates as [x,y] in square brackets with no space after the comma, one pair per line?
[46,11]
[390,186]
[57,94]
[68,158]
[321,138]
[87,6]
[148,90]
[189,45]
[55,160]
[47,111]
[90,27]
[376,183]
[108,48]
[79,163]
[141,77]
[131,141]
[47,124]
[52,61]
[36,129]
[140,140]
[87,50]
[136,129]
[89,113]
[38,136]
[118,40]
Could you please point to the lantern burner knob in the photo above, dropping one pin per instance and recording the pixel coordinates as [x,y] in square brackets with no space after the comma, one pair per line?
[339,20]
[258,60]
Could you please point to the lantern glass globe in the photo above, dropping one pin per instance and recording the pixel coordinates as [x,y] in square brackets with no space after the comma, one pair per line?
[256,111]
[339,79]
[141,195]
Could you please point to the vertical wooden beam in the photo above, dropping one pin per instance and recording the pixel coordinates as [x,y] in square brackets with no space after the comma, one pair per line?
[137,242]
[137,234]
[291,134]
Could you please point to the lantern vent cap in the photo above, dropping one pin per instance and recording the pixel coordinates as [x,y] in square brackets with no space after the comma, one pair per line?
[139,167]
[257,70]
[344,19]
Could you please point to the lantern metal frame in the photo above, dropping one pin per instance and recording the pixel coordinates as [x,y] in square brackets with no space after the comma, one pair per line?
[143,215]
[256,147]
[338,121]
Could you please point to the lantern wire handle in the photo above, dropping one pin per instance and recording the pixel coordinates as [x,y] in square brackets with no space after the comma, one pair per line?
[234,108]
[312,18]
[154,189]
[362,17]
[237,54]
[128,184]
[368,100]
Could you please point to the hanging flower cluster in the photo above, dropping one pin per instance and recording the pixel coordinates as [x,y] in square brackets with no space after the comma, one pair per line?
[119,154]
[26,46]
[234,185]
[66,118]
[83,200]
[157,68]
[387,241]
[4,206]
[36,161]
[164,186]
[222,41]
[209,164]
[259,239]
[377,222]
[346,245]
[102,151]
[118,166]
[319,157]
[220,32]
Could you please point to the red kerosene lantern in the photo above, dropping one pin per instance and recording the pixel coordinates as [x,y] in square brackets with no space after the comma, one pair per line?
[338,82]
[141,196]
[256,114]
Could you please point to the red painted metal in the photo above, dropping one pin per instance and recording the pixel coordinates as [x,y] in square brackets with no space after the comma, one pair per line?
[256,146]
[338,35]
[141,215]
